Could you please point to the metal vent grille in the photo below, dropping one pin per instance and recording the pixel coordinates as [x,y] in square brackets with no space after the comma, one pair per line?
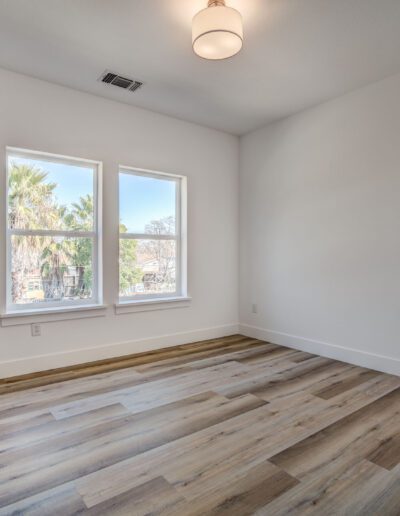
[121,82]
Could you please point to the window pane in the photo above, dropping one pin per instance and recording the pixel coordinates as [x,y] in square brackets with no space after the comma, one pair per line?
[147,205]
[49,195]
[147,267]
[50,269]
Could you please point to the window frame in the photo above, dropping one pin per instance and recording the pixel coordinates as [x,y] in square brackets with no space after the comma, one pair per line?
[180,237]
[96,299]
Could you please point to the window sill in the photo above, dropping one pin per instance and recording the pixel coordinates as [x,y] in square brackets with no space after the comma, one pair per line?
[148,305]
[20,317]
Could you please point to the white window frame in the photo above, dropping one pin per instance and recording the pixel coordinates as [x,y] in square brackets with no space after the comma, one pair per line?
[180,237]
[97,287]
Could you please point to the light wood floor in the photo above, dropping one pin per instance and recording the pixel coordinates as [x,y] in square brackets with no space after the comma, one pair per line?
[233,426]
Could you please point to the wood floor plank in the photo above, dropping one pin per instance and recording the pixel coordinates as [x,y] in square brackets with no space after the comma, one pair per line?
[237,356]
[302,356]
[266,355]
[355,378]
[318,482]
[241,444]
[155,497]
[307,456]
[81,452]
[243,495]
[382,498]
[381,385]
[49,430]
[292,379]
[233,446]
[229,426]
[63,500]
[37,398]
[207,358]
[299,378]
[324,413]
[47,396]
[387,452]
[10,427]
[185,462]
[335,494]
[161,392]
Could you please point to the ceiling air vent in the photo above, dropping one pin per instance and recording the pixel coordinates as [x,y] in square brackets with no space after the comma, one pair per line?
[121,82]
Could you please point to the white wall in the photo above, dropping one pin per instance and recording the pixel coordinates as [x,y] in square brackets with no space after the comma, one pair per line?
[319,225]
[320,229]
[42,116]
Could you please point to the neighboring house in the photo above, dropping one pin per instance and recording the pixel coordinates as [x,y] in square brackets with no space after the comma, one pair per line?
[153,277]
[33,288]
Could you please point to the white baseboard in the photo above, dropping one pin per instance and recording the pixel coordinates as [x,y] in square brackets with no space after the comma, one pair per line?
[353,356]
[80,356]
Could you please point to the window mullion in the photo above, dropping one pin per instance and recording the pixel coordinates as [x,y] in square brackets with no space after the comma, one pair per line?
[147,236]
[55,233]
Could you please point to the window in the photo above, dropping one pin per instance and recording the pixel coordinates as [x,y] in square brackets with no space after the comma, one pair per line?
[53,231]
[152,255]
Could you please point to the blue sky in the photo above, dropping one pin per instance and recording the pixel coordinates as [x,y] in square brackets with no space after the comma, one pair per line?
[72,182]
[142,199]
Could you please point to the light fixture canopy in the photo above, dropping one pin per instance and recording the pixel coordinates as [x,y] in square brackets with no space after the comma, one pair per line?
[217,31]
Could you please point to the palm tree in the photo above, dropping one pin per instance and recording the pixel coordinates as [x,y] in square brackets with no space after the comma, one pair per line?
[31,205]
[80,218]
[54,259]
[29,199]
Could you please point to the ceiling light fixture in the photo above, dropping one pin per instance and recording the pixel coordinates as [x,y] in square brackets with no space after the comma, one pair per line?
[217,31]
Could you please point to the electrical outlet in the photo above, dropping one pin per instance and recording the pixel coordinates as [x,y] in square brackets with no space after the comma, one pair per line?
[36,330]
[254,308]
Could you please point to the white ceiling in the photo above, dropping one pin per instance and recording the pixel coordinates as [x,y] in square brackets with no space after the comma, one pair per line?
[297,53]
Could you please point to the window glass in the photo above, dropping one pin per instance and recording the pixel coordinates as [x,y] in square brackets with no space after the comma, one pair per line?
[147,266]
[47,269]
[52,234]
[49,195]
[150,252]
[145,202]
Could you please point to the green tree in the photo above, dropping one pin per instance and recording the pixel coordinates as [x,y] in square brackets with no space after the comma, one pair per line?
[129,272]
[80,218]
[31,205]
[30,199]
[54,259]
[163,252]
